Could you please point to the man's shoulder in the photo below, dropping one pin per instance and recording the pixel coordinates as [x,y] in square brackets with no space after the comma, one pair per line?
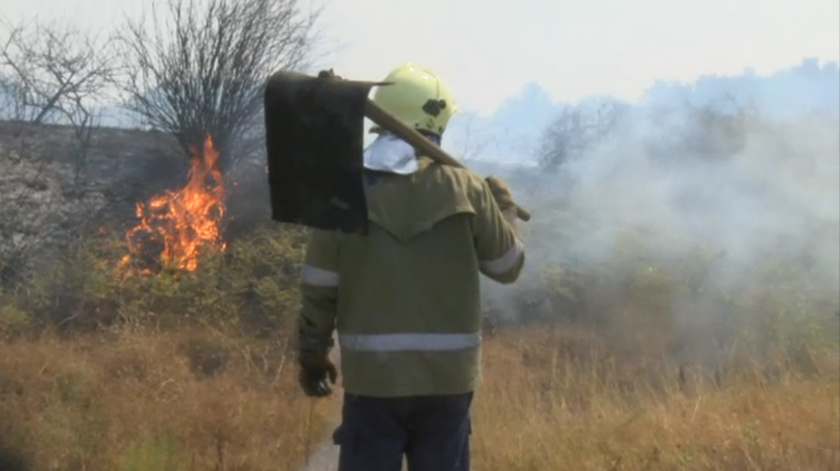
[457,179]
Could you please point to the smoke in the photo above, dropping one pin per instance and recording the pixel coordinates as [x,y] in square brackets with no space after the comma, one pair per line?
[686,214]
[776,195]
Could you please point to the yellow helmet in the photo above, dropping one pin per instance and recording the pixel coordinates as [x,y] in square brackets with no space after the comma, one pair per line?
[418,97]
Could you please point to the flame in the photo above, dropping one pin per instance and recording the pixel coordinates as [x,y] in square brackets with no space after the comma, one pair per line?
[183,223]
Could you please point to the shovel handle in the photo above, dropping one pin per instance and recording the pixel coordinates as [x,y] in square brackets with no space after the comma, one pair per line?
[381,117]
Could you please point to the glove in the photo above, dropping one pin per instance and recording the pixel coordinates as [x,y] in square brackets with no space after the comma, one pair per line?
[504,200]
[315,370]
[501,193]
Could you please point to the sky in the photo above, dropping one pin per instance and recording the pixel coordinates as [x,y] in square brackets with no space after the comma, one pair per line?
[489,50]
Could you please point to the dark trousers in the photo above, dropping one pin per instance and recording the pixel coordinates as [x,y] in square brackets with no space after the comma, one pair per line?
[431,431]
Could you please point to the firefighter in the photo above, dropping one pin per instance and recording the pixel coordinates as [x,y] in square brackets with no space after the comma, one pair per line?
[404,300]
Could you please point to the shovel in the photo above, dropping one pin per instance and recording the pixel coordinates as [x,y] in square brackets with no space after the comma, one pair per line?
[314,141]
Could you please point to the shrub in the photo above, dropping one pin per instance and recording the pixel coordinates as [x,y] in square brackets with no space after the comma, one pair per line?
[250,286]
[684,303]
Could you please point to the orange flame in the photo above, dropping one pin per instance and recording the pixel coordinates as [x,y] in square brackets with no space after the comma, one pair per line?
[186,221]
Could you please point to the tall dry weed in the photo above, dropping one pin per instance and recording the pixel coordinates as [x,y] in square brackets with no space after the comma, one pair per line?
[133,400]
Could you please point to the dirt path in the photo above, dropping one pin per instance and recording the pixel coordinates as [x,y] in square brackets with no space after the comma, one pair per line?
[324,458]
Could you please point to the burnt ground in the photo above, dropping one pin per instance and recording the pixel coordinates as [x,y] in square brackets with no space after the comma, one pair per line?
[51,193]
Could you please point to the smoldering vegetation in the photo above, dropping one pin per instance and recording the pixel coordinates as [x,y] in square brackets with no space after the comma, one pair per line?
[684,229]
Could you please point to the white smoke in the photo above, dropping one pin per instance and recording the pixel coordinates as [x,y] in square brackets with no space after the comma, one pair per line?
[779,192]
[739,187]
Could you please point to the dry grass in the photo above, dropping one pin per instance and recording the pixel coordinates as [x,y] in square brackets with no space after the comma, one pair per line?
[134,400]
[142,401]
[546,403]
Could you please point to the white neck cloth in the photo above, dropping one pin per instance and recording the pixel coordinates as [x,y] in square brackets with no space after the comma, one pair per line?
[389,153]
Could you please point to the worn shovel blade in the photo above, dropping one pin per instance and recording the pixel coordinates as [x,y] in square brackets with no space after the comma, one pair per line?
[314,140]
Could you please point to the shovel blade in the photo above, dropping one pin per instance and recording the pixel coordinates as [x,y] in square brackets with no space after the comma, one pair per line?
[314,142]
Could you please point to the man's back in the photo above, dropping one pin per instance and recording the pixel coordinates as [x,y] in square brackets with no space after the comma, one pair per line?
[406,297]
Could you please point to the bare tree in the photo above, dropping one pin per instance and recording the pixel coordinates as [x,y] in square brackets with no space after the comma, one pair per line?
[712,130]
[474,140]
[717,129]
[48,74]
[199,67]
[54,74]
[576,130]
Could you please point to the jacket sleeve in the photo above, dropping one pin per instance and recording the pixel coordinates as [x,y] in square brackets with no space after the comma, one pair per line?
[501,254]
[319,289]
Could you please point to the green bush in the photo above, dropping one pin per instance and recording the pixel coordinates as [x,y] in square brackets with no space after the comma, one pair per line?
[251,285]
[12,320]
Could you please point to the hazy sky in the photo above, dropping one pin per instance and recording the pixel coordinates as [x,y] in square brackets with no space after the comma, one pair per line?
[489,49]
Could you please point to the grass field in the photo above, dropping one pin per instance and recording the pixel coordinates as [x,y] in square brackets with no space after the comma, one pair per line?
[196,399]
[145,401]
[630,365]
[548,402]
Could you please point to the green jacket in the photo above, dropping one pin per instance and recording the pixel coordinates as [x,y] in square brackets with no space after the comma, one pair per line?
[404,299]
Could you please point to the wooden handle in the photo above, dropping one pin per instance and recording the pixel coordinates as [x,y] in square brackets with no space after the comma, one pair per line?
[417,140]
